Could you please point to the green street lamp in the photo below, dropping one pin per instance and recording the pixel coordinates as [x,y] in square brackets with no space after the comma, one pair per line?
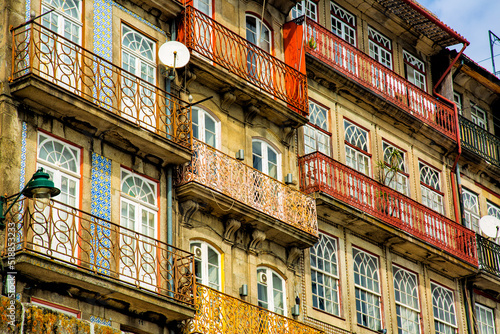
[39,186]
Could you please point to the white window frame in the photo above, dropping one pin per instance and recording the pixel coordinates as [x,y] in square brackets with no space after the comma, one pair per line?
[401,181]
[372,302]
[204,6]
[407,301]
[202,260]
[343,23]
[471,209]
[326,290]
[485,319]
[457,98]
[442,311]
[265,159]
[316,135]
[356,148]
[380,47]
[311,10]
[415,70]
[479,116]
[271,291]
[430,180]
[493,210]
[200,123]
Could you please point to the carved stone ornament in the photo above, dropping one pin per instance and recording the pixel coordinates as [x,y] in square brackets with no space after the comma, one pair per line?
[228,99]
[257,238]
[188,209]
[293,255]
[232,225]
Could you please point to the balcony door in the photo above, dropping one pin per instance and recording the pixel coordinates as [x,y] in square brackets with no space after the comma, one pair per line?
[138,219]
[58,56]
[55,230]
[358,158]
[259,37]
[138,96]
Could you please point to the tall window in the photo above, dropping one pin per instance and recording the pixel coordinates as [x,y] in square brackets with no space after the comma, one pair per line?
[271,290]
[356,148]
[204,6]
[457,98]
[443,306]
[407,305]
[394,157]
[485,319]
[207,264]
[380,47]
[367,289]
[479,116]
[205,127]
[471,209]
[305,7]
[139,209]
[493,210]
[430,188]
[343,23]
[324,275]
[415,70]
[259,36]
[65,19]
[316,135]
[266,159]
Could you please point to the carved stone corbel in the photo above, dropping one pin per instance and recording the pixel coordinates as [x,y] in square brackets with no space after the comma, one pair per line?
[190,77]
[251,112]
[257,238]
[228,99]
[188,209]
[293,255]
[287,133]
[232,225]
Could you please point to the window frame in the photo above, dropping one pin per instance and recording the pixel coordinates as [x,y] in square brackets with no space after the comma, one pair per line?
[428,190]
[454,326]
[458,99]
[401,174]
[313,132]
[265,159]
[359,152]
[468,213]
[205,264]
[493,209]
[412,63]
[270,290]
[339,19]
[140,59]
[310,6]
[488,310]
[417,310]
[258,32]
[62,16]
[380,47]
[475,110]
[201,125]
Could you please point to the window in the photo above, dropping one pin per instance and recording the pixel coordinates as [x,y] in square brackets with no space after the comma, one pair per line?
[485,319]
[204,6]
[367,289]
[139,209]
[205,127]
[380,47]
[324,275]
[443,306]
[407,305]
[266,159]
[430,187]
[479,116]
[415,70]
[62,162]
[356,148]
[259,36]
[65,19]
[396,158]
[316,137]
[471,209]
[493,210]
[56,307]
[457,98]
[271,290]
[207,264]
[343,23]
[305,7]
[138,58]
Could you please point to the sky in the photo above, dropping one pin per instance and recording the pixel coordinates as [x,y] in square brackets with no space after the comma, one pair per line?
[471,19]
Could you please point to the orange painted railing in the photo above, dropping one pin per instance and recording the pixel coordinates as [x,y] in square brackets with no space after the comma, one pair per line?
[228,176]
[220,313]
[320,173]
[366,71]
[216,43]
[41,52]
[62,233]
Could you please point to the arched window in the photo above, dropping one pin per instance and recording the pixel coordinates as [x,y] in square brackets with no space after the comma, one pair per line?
[266,159]
[65,19]
[259,36]
[407,305]
[443,306]
[206,127]
[271,290]
[207,264]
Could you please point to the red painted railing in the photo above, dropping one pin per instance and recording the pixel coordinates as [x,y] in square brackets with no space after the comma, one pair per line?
[218,44]
[320,173]
[363,69]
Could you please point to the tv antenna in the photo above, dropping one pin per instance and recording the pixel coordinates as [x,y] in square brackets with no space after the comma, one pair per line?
[490,226]
[173,55]
[493,39]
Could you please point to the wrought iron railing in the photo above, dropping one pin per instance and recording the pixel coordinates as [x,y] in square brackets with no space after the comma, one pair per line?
[219,313]
[320,173]
[63,233]
[240,182]
[489,255]
[217,43]
[360,67]
[41,52]
[479,141]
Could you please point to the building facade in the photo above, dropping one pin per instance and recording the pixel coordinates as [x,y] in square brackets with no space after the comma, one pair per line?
[316,167]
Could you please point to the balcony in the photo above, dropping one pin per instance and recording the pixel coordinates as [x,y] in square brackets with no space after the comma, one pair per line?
[58,77]
[98,259]
[233,189]
[398,98]
[489,265]
[230,63]
[483,145]
[220,313]
[386,216]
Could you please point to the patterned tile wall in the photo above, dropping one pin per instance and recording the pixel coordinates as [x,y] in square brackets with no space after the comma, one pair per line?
[99,320]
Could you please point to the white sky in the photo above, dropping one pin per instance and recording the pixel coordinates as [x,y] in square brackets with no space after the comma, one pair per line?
[471,19]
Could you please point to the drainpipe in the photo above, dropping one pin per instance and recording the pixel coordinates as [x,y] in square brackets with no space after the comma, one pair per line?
[455,112]
[169,206]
